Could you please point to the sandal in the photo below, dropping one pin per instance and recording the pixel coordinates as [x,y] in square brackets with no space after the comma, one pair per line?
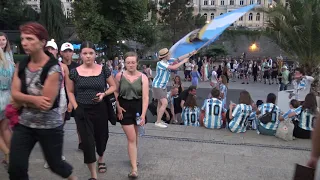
[92,179]
[102,168]
[133,174]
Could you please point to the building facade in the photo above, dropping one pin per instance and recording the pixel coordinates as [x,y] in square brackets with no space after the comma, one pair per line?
[213,8]
[66,6]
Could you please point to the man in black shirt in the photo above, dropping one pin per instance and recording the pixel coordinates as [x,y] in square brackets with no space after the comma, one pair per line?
[183,96]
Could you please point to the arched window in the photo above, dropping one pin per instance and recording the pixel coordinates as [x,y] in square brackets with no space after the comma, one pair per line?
[250,17]
[241,18]
[221,14]
[258,17]
[205,15]
[212,15]
[258,1]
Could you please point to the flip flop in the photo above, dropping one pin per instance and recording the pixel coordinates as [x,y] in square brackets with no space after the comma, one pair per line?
[102,168]
[133,175]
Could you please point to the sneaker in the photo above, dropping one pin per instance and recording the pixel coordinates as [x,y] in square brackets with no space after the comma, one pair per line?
[164,123]
[160,125]
[46,166]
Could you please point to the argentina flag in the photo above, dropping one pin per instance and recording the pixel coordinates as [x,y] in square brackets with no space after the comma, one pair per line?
[200,38]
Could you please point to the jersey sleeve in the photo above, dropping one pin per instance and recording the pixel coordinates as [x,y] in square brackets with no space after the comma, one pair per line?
[236,110]
[298,110]
[285,115]
[163,65]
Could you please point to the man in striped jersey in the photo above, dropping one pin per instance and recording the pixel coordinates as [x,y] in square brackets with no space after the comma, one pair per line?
[270,106]
[159,84]
[301,85]
[213,111]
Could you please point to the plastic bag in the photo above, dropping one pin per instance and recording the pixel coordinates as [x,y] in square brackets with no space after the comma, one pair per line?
[285,130]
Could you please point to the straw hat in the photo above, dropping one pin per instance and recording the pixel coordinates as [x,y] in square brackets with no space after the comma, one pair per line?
[163,53]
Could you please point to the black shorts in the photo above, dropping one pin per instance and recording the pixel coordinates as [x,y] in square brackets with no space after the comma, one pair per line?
[266,75]
[274,74]
[132,107]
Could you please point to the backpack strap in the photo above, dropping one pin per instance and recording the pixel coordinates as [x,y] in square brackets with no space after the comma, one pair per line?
[43,76]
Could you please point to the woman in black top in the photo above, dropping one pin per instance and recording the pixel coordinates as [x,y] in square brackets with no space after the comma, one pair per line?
[89,81]
[274,72]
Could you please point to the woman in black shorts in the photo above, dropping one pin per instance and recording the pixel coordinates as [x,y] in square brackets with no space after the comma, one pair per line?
[274,73]
[133,99]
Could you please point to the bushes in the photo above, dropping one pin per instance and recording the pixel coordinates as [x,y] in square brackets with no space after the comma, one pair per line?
[19,57]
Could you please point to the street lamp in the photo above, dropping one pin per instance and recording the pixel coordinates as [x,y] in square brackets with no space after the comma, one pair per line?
[253,47]
[123,41]
[207,22]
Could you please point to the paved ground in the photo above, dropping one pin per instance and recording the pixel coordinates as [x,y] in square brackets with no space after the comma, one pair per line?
[188,153]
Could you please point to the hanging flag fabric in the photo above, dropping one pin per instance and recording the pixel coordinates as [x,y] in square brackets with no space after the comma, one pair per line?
[200,38]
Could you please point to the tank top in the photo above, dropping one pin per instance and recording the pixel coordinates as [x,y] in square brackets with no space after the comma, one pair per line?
[130,91]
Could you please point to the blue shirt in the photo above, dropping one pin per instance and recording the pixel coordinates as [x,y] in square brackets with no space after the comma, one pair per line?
[267,107]
[240,115]
[162,75]
[213,108]
[190,116]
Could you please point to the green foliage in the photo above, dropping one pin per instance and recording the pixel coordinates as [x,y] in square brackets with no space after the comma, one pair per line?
[177,19]
[52,17]
[296,29]
[89,24]
[214,51]
[13,13]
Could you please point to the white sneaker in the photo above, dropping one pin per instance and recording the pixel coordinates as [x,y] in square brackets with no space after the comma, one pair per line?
[160,125]
[46,165]
[164,123]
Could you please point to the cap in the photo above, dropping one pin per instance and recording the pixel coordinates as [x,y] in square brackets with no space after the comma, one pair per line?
[52,44]
[66,46]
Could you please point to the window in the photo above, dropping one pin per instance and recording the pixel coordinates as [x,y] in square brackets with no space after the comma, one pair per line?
[250,17]
[222,2]
[212,2]
[212,16]
[231,2]
[241,2]
[258,1]
[258,17]
[205,2]
[241,18]
[251,1]
[205,15]
[221,14]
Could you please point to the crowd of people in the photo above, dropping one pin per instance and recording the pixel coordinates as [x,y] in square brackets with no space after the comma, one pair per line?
[40,93]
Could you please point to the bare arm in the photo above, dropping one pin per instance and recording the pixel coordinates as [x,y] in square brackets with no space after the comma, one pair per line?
[112,86]
[116,92]
[172,110]
[70,92]
[315,152]
[176,66]
[52,87]
[182,103]
[145,95]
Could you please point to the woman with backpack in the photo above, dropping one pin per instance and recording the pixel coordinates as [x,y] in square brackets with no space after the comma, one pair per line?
[35,87]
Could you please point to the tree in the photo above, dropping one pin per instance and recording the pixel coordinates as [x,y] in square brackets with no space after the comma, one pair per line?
[52,17]
[89,24]
[296,29]
[214,51]
[178,19]
[13,13]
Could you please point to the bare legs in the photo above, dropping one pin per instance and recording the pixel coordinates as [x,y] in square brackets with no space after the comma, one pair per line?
[132,137]
[162,105]
[5,138]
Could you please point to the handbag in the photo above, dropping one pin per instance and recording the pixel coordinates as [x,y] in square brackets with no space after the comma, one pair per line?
[304,173]
[111,104]
[285,130]
[267,117]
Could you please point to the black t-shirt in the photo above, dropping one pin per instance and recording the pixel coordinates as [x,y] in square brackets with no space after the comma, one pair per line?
[73,65]
[184,95]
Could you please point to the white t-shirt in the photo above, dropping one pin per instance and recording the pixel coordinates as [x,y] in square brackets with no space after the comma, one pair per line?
[188,66]
[214,77]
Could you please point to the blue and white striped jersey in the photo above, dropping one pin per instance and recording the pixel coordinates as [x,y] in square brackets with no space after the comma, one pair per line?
[162,75]
[213,108]
[306,118]
[169,98]
[285,115]
[240,116]
[267,107]
[223,89]
[190,116]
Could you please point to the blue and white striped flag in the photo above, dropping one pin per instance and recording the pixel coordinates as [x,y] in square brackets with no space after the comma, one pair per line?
[200,38]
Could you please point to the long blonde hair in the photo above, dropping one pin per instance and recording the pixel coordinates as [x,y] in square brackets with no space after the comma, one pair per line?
[3,60]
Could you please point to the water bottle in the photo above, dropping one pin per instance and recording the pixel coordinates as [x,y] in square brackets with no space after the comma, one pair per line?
[140,128]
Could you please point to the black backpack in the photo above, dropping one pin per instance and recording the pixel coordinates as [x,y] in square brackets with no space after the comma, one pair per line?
[43,76]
